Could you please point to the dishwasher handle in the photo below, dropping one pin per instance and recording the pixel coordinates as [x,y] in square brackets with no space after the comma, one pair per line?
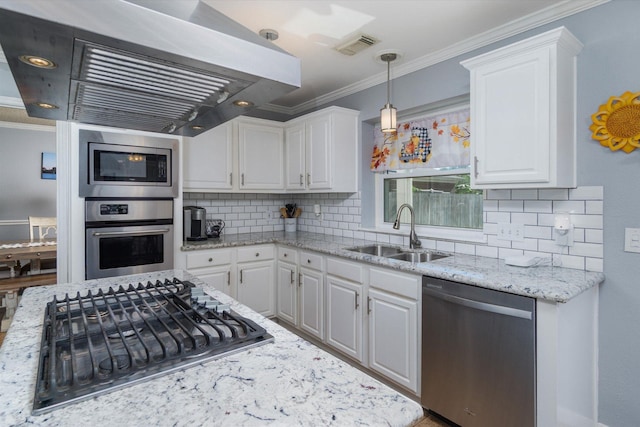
[483,306]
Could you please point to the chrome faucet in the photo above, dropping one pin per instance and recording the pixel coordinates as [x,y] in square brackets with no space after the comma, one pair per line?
[414,242]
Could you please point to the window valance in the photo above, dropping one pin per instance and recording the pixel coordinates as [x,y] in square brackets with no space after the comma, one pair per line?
[438,140]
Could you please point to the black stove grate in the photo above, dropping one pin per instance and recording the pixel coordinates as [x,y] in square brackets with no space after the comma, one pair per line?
[111,339]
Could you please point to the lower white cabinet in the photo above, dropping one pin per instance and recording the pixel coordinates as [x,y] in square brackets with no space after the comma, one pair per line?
[256,278]
[344,307]
[287,290]
[213,267]
[300,299]
[392,305]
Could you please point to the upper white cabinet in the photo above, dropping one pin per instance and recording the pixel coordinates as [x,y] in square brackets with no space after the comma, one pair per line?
[523,113]
[321,151]
[209,160]
[260,154]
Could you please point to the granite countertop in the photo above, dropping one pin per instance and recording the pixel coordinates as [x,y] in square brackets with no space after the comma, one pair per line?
[542,282]
[286,382]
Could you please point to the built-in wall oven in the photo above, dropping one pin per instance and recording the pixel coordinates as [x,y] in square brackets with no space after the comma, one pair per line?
[128,236]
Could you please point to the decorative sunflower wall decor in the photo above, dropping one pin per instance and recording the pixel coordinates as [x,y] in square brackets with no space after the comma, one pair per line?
[617,123]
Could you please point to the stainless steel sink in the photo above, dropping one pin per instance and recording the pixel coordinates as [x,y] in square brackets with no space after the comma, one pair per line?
[416,257]
[392,252]
[377,250]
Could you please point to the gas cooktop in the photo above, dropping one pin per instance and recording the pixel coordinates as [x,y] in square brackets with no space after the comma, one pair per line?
[112,339]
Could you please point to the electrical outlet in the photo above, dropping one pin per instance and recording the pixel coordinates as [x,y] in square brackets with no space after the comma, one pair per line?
[504,231]
[632,240]
[517,232]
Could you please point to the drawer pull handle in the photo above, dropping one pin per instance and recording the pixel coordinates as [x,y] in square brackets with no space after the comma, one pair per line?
[369,305]
[308,179]
[293,280]
[240,276]
[229,278]
[299,279]
[357,296]
[301,179]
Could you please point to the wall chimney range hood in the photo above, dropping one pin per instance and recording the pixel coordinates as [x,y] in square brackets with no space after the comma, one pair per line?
[164,66]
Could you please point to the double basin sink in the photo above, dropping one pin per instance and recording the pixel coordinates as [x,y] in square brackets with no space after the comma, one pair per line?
[400,254]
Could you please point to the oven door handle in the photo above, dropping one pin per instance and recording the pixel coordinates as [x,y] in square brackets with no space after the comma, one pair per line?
[130,233]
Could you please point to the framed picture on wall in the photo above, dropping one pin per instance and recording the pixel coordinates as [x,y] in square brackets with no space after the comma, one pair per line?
[48,169]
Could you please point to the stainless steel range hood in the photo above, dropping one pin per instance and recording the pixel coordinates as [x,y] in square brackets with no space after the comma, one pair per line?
[155,65]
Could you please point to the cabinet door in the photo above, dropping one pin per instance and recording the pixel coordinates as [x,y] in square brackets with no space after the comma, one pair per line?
[287,298]
[318,152]
[208,160]
[294,158]
[344,317]
[256,286]
[261,154]
[218,277]
[311,295]
[393,338]
[511,120]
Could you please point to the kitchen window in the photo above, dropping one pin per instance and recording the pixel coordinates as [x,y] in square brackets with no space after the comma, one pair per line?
[445,206]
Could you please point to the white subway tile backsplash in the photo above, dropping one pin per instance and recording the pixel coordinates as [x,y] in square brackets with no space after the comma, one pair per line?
[553,194]
[341,216]
[587,193]
[538,206]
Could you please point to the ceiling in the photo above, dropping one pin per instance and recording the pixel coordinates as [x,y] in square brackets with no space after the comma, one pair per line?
[422,32]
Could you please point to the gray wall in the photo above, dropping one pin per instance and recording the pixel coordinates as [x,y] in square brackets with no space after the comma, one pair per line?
[22,192]
[608,65]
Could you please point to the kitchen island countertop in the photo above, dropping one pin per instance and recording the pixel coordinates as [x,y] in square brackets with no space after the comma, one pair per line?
[542,282]
[286,382]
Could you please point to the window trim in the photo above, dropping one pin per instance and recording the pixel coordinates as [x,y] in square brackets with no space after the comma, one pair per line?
[423,231]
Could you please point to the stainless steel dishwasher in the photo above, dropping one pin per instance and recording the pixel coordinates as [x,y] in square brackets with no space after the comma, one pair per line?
[478,355]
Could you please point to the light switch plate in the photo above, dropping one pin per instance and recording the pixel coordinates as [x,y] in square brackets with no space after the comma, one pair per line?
[632,240]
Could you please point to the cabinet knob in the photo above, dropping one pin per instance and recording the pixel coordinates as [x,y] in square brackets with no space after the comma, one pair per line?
[38,254]
[257,253]
[308,261]
[210,259]
[9,256]
[285,255]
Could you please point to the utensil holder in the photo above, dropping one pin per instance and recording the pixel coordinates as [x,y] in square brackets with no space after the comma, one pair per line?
[290,225]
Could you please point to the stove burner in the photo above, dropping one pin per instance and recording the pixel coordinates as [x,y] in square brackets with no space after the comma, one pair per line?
[106,365]
[108,340]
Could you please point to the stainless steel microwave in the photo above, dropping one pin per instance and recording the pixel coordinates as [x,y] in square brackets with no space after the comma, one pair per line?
[126,165]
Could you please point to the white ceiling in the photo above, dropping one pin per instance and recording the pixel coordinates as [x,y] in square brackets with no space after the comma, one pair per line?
[424,32]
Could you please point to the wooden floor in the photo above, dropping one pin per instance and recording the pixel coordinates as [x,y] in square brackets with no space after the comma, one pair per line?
[432,421]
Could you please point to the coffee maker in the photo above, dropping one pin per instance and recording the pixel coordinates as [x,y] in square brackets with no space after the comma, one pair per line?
[195,223]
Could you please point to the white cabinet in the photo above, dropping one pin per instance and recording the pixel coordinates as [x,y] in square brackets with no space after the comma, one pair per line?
[260,155]
[392,305]
[344,307]
[321,151]
[214,267]
[256,278]
[523,113]
[287,286]
[311,296]
[208,160]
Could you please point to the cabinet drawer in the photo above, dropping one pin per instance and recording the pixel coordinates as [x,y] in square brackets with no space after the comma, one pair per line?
[256,253]
[288,255]
[311,260]
[346,269]
[398,283]
[198,259]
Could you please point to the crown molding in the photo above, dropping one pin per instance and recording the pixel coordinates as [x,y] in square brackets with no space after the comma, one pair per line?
[545,16]
[11,102]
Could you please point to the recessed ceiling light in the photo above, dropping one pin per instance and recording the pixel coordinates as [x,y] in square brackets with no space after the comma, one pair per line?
[38,61]
[197,127]
[46,106]
[241,103]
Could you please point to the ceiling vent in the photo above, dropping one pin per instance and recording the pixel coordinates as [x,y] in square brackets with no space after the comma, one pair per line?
[356,45]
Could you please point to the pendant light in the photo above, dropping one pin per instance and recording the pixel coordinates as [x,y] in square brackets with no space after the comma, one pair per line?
[388,112]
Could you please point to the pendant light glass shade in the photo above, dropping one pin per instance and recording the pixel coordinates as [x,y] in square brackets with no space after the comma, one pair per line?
[388,119]
[388,112]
